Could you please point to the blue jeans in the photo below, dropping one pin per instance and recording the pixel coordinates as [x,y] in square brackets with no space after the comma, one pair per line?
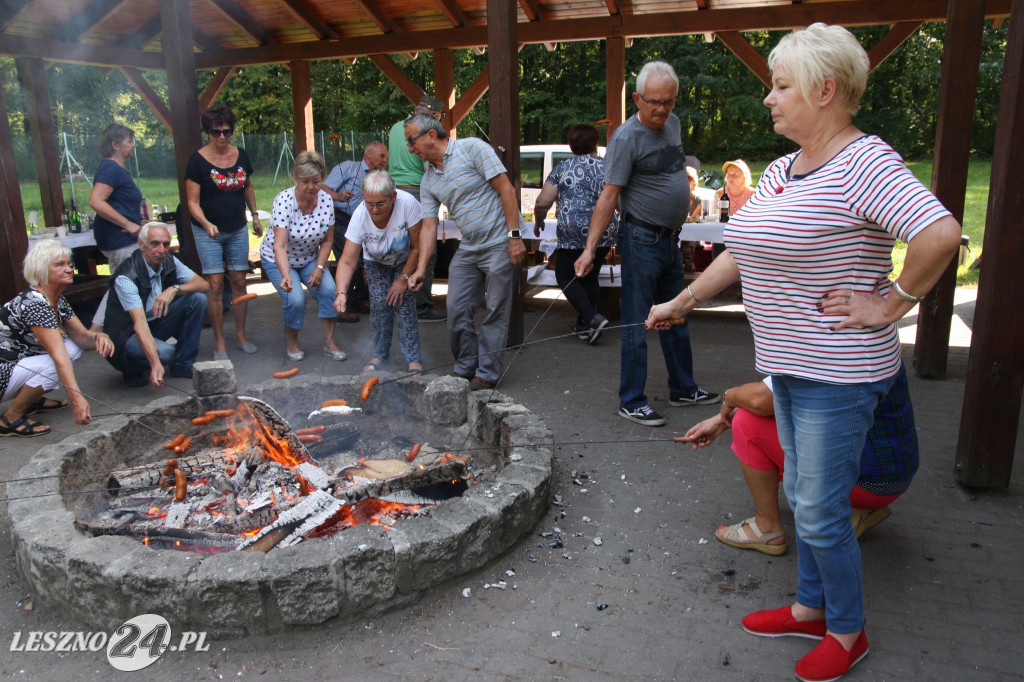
[822,428]
[183,321]
[295,300]
[652,272]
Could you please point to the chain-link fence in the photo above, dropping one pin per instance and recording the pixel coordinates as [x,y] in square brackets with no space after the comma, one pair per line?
[154,155]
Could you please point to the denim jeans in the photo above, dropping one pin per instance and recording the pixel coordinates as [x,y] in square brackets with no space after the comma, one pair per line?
[183,321]
[295,300]
[652,272]
[822,428]
[227,248]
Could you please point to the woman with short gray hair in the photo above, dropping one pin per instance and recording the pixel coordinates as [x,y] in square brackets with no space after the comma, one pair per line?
[40,341]
[297,249]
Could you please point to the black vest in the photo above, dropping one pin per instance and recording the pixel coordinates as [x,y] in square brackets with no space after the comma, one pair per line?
[118,323]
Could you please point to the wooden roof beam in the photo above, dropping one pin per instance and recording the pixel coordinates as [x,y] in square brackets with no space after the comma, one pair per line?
[454,13]
[9,10]
[145,35]
[531,9]
[471,96]
[244,21]
[891,41]
[77,53]
[747,54]
[215,86]
[397,76]
[85,20]
[703,4]
[383,20]
[308,16]
[148,95]
[865,12]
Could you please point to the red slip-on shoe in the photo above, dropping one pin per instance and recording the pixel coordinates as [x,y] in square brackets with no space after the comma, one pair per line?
[829,660]
[780,623]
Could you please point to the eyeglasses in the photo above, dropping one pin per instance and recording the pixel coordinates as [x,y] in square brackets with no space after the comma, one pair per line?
[412,139]
[377,205]
[667,103]
[220,132]
[155,243]
[61,264]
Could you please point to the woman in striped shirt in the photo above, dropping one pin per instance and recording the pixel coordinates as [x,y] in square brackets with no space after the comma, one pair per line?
[812,248]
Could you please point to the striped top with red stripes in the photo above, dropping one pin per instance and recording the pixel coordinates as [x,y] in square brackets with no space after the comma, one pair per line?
[834,228]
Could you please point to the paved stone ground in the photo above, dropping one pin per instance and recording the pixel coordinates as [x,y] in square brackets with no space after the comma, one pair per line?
[942,575]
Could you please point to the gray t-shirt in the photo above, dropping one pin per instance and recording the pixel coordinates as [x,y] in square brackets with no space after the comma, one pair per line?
[650,167]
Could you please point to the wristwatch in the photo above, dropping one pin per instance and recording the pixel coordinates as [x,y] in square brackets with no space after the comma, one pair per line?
[515,234]
[321,267]
[178,288]
[405,277]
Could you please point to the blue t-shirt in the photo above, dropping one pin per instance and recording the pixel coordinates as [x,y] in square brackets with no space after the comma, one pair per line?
[126,199]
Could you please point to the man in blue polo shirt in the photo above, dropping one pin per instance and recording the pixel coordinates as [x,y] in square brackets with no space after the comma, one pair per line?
[466,176]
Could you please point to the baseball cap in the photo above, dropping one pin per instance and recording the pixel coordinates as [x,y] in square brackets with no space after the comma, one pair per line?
[432,103]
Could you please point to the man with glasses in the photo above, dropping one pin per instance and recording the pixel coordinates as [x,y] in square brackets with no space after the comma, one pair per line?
[153,297]
[645,178]
[407,170]
[466,176]
[345,185]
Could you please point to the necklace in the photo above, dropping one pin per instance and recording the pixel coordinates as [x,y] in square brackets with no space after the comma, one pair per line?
[825,146]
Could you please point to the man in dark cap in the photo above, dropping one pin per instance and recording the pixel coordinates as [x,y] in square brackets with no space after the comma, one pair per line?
[407,170]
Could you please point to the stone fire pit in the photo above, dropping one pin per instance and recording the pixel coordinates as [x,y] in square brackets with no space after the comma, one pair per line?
[360,571]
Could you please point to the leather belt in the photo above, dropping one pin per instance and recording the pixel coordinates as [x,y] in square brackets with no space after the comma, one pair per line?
[650,226]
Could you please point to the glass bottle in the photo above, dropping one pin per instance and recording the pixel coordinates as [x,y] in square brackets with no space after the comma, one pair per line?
[76,219]
[723,207]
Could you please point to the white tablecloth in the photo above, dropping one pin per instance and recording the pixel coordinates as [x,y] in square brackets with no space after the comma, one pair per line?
[79,239]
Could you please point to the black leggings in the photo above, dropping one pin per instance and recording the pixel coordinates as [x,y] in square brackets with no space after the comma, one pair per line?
[582,292]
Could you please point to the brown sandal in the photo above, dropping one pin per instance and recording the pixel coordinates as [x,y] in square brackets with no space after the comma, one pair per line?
[22,427]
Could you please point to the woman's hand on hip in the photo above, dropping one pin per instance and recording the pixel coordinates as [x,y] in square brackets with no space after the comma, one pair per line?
[861,309]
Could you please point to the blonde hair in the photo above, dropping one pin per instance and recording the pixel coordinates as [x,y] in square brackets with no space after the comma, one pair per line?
[818,52]
[37,262]
[742,166]
[308,165]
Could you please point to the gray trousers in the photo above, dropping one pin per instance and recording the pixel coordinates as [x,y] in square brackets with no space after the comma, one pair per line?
[476,277]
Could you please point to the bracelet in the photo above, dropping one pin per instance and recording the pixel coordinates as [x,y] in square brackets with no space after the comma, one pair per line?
[725,399]
[405,277]
[321,267]
[690,292]
[903,294]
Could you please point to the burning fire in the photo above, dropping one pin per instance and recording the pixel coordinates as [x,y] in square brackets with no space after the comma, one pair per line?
[371,510]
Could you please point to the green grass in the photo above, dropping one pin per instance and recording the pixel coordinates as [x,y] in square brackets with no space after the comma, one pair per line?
[164,191]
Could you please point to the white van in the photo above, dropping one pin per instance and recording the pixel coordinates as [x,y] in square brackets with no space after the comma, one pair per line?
[535,163]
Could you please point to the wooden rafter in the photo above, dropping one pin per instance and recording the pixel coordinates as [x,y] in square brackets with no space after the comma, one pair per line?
[454,13]
[148,95]
[10,9]
[397,76]
[531,9]
[244,21]
[746,53]
[85,19]
[76,53]
[308,16]
[471,96]
[383,20]
[703,4]
[213,89]
[144,36]
[891,41]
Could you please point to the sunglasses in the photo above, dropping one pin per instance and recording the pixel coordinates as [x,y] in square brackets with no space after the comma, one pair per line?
[410,140]
[220,132]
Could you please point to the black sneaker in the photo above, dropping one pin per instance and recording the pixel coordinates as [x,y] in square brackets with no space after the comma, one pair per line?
[596,326]
[582,331]
[701,397]
[642,415]
[432,316]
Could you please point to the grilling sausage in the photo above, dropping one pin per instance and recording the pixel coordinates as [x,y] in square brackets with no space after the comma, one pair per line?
[368,387]
[336,402]
[183,447]
[243,298]
[202,420]
[172,464]
[180,485]
[310,438]
[415,450]
[307,430]
[284,374]
[214,414]
[174,443]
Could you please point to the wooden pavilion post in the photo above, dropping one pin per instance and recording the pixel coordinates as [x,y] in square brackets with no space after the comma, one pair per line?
[302,107]
[995,368]
[32,73]
[615,82]
[444,85]
[13,237]
[503,48]
[965,24]
[183,94]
